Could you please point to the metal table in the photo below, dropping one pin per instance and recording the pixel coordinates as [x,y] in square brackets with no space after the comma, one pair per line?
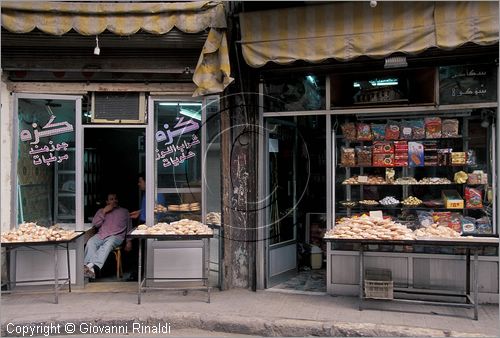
[9,246]
[471,246]
[142,281]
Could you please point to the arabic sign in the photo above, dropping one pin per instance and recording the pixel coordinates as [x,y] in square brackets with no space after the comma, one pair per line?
[174,145]
[467,84]
[51,152]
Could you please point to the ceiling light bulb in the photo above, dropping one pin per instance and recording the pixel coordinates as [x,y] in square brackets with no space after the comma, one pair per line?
[373,3]
[485,123]
[97,50]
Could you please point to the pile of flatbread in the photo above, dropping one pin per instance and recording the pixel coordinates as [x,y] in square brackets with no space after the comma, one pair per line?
[31,232]
[366,227]
[214,218]
[182,227]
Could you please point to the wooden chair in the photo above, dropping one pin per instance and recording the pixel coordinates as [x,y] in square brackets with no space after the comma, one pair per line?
[118,257]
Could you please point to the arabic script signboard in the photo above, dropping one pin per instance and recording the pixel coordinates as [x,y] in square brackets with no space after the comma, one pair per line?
[51,151]
[467,84]
[172,147]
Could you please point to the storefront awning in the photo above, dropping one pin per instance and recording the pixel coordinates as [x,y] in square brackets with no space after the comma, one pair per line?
[212,73]
[346,30]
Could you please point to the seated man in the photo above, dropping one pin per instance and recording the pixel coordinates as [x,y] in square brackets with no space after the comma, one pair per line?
[112,223]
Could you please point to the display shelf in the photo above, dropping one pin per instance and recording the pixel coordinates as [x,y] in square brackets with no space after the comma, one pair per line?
[400,207]
[66,172]
[396,184]
[405,166]
[459,137]
[349,189]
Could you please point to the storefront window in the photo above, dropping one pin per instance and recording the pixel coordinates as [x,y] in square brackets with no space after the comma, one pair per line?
[418,170]
[46,184]
[294,94]
[178,160]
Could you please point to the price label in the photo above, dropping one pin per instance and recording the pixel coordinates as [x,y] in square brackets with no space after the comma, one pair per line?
[376,214]
[362,179]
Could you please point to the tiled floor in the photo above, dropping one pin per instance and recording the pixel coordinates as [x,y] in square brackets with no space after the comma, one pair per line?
[309,280]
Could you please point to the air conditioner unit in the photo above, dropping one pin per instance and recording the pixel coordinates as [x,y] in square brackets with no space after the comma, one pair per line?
[118,107]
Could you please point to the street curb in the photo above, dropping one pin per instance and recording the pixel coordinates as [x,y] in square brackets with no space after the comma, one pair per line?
[236,324]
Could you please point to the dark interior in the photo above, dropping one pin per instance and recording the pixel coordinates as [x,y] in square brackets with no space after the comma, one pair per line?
[118,165]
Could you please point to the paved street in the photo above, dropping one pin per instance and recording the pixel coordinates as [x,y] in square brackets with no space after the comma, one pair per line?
[176,333]
[239,311]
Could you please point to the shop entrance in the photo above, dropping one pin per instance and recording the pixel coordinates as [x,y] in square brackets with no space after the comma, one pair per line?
[296,202]
[113,158]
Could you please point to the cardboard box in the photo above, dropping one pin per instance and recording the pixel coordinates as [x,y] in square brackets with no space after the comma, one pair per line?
[381,147]
[383,160]
[415,154]
[452,199]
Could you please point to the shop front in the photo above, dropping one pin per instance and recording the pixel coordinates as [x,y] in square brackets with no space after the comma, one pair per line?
[396,121]
[77,126]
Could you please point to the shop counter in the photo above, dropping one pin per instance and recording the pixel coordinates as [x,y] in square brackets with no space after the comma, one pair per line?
[471,247]
[142,281]
[37,245]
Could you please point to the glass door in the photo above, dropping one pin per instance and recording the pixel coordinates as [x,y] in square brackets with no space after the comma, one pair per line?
[281,198]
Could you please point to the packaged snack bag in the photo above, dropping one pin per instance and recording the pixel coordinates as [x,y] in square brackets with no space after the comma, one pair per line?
[405,130]
[444,156]
[455,221]
[417,129]
[484,226]
[378,131]
[364,156]
[364,132]
[449,128]
[473,198]
[442,218]
[349,131]
[458,158]
[347,157]
[471,158]
[468,225]
[433,127]
[425,218]
[392,130]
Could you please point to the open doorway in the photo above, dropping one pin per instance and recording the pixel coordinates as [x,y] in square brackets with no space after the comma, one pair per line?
[113,158]
[296,211]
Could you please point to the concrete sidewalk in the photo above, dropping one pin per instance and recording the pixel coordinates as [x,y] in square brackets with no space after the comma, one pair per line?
[262,313]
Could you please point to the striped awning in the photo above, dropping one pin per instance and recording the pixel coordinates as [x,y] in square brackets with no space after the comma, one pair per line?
[346,30]
[212,73]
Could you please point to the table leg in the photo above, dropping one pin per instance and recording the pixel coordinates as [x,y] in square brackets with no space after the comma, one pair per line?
[467,272]
[7,260]
[207,282]
[361,277]
[204,258]
[69,269]
[475,284]
[139,276]
[56,275]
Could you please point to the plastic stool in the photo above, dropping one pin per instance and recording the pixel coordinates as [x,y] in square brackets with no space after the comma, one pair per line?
[118,256]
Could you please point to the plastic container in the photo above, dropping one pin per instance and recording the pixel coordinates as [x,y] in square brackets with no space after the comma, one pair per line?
[379,284]
[316,257]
